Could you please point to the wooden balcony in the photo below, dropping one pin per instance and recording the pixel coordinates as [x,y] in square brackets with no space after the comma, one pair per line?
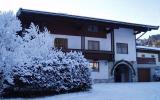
[95,54]
[141,60]
[99,55]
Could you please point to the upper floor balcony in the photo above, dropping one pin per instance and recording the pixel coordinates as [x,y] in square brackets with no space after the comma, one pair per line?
[92,48]
[94,54]
[142,60]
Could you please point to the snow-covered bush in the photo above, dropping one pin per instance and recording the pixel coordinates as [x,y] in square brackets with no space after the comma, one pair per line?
[9,40]
[37,65]
[65,72]
[80,71]
[156,75]
[1,80]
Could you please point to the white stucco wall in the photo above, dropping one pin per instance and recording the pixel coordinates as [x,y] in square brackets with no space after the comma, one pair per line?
[105,43]
[149,55]
[103,71]
[74,42]
[124,35]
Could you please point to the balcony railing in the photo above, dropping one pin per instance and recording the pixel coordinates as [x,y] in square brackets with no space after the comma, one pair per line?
[141,60]
[95,54]
[99,55]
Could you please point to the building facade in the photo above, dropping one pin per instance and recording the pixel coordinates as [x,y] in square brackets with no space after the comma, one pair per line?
[148,61]
[109,46]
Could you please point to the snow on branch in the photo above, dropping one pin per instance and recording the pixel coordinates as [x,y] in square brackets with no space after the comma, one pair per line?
[32,59]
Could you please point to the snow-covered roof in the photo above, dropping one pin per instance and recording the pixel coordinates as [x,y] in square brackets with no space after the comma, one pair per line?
[148,48]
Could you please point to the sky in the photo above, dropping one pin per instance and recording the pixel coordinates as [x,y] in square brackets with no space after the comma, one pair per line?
[135,11]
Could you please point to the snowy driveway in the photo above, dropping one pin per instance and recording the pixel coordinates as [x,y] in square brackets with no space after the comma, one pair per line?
[114,91]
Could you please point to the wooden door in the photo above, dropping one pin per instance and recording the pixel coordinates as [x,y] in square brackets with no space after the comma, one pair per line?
[143,74]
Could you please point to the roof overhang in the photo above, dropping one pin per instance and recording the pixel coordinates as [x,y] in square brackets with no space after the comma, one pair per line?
[148,49]
[137,27]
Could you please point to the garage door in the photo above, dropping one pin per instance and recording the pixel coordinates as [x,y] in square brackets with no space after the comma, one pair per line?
[143,74]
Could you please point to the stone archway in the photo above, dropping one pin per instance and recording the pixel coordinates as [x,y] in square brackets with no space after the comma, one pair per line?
[123,71]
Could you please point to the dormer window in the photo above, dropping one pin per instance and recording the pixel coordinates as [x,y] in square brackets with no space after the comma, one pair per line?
[92,28]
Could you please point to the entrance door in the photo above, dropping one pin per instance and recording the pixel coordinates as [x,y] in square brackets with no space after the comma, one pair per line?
[122,73]
[143,74]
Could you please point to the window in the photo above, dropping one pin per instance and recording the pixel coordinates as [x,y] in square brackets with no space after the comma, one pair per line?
[61,43]
[159,57]
[122,48]
[92,28]
[143,56]
[95,66]
[93,45]
[152,56]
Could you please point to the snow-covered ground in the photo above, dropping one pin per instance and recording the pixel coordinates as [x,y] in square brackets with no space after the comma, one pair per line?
[114,91]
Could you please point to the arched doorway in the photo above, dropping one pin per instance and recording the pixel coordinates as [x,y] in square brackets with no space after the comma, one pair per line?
[122,73]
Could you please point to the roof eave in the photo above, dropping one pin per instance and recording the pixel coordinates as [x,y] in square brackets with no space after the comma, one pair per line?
[146,27]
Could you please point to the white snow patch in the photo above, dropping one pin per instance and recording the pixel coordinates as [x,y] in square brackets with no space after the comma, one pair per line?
[149,48]
[114,91]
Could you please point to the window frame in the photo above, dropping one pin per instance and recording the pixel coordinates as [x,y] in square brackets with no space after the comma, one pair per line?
[95,69]
[92,42]
[62,45]
[120,50]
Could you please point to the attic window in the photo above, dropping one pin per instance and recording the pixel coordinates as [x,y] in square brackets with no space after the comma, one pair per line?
[92,28]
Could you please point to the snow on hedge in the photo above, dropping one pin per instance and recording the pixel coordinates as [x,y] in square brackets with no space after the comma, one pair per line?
[32,60]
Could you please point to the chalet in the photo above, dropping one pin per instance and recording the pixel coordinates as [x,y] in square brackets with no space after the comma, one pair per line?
[109,46]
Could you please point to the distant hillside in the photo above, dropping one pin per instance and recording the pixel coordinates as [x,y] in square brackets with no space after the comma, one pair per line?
[153,41]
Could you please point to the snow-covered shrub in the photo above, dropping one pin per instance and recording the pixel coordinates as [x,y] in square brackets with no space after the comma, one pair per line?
[32,62]
[80,71]
[1,80]
[156,75]
[64,72]
[9,41]
[37,65]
